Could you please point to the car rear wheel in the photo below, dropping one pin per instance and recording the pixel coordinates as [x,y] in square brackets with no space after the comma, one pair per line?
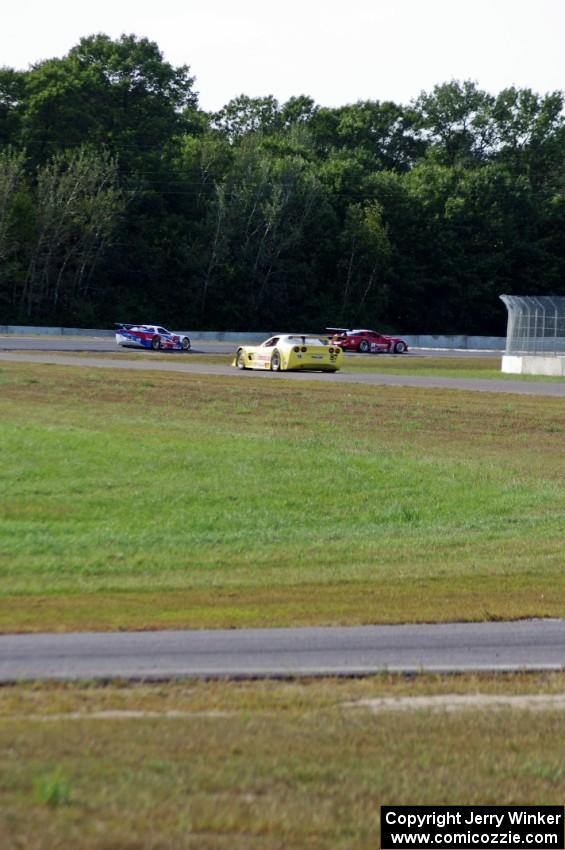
[156,343]
[399,347]
[185,343]
[275,361]
[364,346]
[240,359]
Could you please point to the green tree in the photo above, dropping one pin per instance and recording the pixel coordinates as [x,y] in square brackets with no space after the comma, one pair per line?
[379,135]
[11,101]
[257,268]
[531,136]
[298,110]
[77,205]
[14,201]
[244,115]
[363,266]
[120,94]
[457,118]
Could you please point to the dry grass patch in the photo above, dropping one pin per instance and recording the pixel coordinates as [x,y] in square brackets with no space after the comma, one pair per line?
[481,596]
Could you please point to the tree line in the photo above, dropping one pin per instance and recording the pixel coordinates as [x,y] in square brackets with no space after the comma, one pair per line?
[122,200]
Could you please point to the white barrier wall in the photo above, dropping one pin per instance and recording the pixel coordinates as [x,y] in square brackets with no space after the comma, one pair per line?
[533,364]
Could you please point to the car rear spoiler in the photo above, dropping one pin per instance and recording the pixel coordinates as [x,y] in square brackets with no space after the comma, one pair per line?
[122,325]
[337,330]
[304,337]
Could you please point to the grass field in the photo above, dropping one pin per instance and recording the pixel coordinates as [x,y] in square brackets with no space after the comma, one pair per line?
[163,500]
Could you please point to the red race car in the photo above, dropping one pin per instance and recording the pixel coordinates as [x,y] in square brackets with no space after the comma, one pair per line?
[367,341]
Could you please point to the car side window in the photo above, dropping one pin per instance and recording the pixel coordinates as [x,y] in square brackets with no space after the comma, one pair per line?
[162,331]
[271,342]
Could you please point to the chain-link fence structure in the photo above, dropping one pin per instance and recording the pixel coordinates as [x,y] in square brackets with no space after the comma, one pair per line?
[536,324]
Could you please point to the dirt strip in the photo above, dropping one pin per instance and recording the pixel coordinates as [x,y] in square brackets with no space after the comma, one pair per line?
[462,702]
[378,705]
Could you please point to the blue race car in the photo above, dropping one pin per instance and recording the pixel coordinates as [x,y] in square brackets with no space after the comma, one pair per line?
[154,337]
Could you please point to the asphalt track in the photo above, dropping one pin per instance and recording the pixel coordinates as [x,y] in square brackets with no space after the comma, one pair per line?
[180,362]
[263,653]
[92,344]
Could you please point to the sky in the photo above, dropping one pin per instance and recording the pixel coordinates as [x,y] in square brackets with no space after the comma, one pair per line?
[336,51]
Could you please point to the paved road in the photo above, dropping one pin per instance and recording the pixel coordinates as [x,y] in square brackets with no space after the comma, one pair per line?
[520,645]
[182,363]
[86,345]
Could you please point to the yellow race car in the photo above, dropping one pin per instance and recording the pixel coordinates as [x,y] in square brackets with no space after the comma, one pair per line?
[290,352]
